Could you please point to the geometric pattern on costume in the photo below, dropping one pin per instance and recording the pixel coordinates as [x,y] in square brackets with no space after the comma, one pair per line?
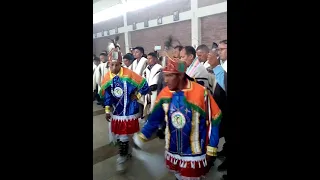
[116,91]
[190,135]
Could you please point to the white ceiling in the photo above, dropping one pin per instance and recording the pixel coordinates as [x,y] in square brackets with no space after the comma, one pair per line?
[99,5]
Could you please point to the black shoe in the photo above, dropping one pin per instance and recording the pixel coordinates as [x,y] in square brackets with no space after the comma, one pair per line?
[223,166]
[224,177]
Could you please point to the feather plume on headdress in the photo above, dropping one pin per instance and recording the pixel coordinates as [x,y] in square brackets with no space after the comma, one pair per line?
[169,42]
[113,44]
[168,45]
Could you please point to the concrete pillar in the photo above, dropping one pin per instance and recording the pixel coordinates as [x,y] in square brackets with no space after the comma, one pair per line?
[127,36]
[195,25]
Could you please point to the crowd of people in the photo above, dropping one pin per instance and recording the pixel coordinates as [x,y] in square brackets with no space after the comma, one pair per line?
[179,94]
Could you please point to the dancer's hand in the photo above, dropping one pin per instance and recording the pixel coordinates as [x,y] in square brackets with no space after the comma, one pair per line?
[108,116]
[160,133]
[134,97]
[136,147]
[210,160]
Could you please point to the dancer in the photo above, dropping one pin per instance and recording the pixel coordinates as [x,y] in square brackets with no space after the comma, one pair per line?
[120,90]
[192,124]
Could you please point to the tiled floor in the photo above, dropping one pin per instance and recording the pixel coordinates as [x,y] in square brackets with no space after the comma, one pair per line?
[100,131]
[96,107]
[144,165]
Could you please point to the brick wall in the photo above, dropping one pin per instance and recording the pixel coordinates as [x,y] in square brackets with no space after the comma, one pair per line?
[165,8]
[148,38]
[202,3]
[101,44]
[109,24]
[213,29]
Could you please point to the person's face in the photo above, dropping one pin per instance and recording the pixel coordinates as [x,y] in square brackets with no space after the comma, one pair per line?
[176,53]
[222,50]
[103,58]
[186,58]
[151,60]
[172,80]
[96,62]
[115,67]
[137,54]
[202,55]
[213,58]
[127,62]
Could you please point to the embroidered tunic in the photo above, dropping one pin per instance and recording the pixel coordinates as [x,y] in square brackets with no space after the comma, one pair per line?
[116,91]
[192,129]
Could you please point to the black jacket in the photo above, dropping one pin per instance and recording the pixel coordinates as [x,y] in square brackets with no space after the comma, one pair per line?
[161,84]
[220,96]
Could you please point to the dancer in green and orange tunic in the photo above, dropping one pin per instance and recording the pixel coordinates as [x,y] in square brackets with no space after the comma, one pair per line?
[120,90]
[192,124]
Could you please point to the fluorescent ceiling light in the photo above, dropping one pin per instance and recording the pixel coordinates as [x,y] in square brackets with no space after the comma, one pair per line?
[119,9]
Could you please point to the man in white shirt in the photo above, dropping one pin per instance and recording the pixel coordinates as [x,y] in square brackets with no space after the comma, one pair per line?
[202,54]
[222,50]
[195,69]
[96,62]
[140,62]
[151,74]
[100,71]
[138,66]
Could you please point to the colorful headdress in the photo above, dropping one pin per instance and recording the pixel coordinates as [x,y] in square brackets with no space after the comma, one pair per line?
[168,44]
[113,48]
[115,56]
[175,66]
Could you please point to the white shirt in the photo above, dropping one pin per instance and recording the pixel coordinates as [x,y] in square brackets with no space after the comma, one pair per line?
[224,64]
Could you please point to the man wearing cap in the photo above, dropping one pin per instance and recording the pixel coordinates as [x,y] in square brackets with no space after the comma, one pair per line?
[100,71]
[192,121]
[140,62]
[120,90]
[127,60]
[151,74]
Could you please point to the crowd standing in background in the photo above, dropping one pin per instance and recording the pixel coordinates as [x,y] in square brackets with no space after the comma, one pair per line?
[181,94]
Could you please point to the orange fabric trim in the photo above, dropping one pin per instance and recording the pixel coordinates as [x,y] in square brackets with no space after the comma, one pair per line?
[164,93]
[134,76]
[215,110]
[106,78]
[195,95]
